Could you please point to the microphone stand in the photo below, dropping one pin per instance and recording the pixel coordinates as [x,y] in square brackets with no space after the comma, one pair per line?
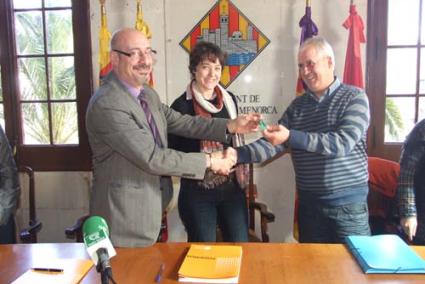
[103,275]
[104,267]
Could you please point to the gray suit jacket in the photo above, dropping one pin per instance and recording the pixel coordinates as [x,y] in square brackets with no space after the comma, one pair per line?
[128,165]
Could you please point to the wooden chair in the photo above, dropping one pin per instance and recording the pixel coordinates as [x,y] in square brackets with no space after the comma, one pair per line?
[75,232]
[29,234]
[254,207]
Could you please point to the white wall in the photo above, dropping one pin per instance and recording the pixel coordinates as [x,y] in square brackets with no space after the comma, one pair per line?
[64,196]
[61,198]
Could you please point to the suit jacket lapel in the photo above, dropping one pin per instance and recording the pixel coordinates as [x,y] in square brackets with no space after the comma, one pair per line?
[137,109]
[131,102]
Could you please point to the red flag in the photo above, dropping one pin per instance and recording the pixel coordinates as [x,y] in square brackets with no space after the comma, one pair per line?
[353,74]
[163,231]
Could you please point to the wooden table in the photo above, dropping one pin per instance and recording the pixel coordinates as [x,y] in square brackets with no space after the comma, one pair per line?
[261,263]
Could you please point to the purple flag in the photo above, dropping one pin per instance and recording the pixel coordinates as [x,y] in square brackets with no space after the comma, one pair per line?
[308,30]
[308,27]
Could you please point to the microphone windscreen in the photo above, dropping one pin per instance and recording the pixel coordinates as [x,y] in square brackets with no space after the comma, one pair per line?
[96,235]
[94,224]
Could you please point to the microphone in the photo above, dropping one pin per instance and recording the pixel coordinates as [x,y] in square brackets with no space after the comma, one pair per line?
[99,247]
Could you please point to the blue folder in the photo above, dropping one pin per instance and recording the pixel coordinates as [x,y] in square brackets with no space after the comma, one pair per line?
[385,254]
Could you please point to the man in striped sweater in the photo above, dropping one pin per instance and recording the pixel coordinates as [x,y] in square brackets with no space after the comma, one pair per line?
[325,129]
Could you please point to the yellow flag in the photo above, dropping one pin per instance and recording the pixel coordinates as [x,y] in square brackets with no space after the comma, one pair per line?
[104,39]
[144,28]
[140,24]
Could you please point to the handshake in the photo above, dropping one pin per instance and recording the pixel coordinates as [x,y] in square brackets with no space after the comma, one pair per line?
[222,162]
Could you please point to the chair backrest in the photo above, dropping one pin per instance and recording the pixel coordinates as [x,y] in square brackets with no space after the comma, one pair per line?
[75,232]
[383,178]
[29,234]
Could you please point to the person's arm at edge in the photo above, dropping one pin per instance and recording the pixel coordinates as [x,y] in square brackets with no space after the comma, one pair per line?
[9,186]
[411,156]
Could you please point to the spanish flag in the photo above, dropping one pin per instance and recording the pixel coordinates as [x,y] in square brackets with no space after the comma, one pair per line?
[104,39]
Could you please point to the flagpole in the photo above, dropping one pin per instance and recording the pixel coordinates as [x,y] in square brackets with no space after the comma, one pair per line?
[102,12]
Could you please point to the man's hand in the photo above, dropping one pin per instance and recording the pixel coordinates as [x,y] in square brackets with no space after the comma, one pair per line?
[276,134]
[409,225]
[231,153]
[244,123]
[222,163]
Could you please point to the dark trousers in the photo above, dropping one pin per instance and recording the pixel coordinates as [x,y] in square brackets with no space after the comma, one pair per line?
[202,210]
[325,224]
[7,232]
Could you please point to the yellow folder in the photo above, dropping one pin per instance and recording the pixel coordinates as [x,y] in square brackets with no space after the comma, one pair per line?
[211,264]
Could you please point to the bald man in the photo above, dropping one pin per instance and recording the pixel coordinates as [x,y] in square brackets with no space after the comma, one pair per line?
[127,126]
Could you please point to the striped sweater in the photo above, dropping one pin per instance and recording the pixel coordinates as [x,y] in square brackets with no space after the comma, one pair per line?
[328,144]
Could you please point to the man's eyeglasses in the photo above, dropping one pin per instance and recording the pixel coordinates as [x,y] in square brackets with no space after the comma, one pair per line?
[137,54]
[309,64]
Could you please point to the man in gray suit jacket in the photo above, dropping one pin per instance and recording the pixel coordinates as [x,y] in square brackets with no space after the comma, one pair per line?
[131,169]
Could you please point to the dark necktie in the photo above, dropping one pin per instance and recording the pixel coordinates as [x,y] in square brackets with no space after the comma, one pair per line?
[151,120]
[163,233]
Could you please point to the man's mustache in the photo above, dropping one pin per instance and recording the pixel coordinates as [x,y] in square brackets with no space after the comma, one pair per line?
[142,66]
